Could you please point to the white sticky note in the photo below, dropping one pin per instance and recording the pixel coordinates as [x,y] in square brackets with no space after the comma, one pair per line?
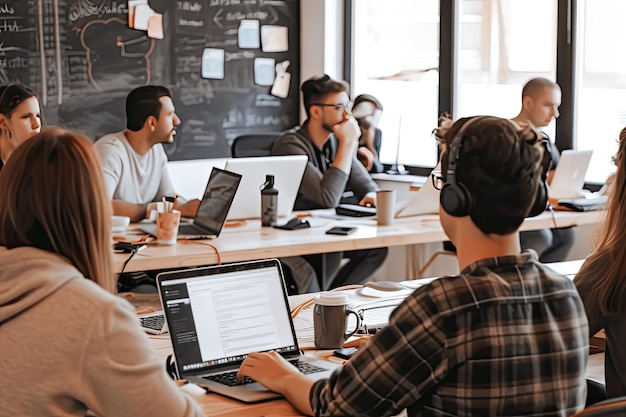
[248,34]
[213,63]
[131,11]
[143,13]
[264,71]
[281,85]
[274,38]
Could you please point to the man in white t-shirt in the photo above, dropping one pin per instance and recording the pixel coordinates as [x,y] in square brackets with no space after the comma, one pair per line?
[133,161]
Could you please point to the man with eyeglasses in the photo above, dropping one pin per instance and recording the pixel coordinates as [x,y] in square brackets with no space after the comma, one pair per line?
[329,138]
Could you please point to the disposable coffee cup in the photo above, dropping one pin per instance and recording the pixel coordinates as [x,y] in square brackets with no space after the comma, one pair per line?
[330,317]
[167,227]
[385,207]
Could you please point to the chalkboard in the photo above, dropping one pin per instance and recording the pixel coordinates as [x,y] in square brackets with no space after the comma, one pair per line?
[82,58]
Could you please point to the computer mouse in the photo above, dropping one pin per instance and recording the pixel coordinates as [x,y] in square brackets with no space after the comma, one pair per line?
[297,223]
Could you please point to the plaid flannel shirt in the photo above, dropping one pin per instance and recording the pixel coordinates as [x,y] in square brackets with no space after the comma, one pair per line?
[507,337]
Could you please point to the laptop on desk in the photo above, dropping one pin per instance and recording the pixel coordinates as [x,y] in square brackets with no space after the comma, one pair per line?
[287,171]
[218,315]
[211,216]
[569,175]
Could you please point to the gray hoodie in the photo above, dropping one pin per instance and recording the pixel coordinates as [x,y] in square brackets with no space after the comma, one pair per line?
[66,345]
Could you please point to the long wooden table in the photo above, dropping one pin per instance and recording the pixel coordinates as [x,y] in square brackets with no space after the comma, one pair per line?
[251,241]
[219,406]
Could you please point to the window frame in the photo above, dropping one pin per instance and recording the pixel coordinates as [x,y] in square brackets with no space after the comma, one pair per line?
[566,68]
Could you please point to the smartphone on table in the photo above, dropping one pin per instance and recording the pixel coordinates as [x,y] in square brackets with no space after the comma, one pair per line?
[341,230]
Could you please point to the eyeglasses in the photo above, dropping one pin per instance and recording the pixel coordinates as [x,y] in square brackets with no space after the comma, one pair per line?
[338,107]
[437,179]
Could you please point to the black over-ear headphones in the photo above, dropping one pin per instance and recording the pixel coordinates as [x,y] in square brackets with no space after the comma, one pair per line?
[455,198]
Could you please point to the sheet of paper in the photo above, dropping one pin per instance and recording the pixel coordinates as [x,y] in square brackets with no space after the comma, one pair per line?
[143,12]
[264,71]
[283,78]
[248,34]
[155,26]
[213,63]
[131,11]
[274,38]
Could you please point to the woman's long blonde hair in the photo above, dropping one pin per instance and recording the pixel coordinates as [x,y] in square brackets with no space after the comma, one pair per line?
[53,198]
[607,264]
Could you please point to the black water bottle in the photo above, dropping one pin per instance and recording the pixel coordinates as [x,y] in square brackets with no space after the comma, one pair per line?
[269,202]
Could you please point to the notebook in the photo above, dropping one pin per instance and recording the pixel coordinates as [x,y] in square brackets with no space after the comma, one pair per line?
[211,216]
[569,175]
[220,314]
[287,172]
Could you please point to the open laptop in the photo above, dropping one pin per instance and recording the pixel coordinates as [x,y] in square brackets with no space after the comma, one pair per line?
[220,314]
[569,175]
[211,216]
[287,171]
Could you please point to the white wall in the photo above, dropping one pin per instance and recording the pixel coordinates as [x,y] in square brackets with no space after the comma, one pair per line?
[321,39]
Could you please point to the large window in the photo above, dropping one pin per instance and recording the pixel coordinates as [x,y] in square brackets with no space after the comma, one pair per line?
[502,44]
[601,104]
[498,45]
[396,55]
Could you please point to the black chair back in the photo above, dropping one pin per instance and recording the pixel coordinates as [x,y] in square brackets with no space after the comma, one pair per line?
[256,144]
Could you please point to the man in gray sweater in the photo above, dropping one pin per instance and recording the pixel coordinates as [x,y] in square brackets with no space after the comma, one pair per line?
[329,138]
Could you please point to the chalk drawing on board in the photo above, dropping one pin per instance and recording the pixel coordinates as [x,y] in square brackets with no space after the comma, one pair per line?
[213,63]
[127,63]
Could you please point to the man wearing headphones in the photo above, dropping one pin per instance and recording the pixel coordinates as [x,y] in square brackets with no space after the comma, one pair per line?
[541,99]
[507,336]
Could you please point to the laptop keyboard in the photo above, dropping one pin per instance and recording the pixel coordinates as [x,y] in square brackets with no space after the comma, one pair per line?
[230,378]
[153,323]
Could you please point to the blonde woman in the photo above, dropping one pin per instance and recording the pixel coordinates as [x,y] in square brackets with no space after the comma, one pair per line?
[67,345]
[601,281]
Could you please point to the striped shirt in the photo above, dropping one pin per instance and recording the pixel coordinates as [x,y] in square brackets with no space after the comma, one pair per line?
[507,337]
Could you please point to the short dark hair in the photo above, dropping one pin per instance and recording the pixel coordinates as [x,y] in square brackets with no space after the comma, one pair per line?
[142,103]
[12,95]
[500,167]
[314,90]
[535,85]
[367,97]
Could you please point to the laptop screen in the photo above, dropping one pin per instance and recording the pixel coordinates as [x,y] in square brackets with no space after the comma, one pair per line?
[218,196]
[218,315]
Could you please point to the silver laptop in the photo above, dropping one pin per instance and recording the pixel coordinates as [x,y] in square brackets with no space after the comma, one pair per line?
[211,216]
[287,171]
[218,315]
[569,175]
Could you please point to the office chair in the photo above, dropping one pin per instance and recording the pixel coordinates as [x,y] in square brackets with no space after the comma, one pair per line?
[255,144]
[615,407]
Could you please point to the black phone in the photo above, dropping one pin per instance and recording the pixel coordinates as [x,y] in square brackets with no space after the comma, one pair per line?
[345,353]
[127,247]
[340,230]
